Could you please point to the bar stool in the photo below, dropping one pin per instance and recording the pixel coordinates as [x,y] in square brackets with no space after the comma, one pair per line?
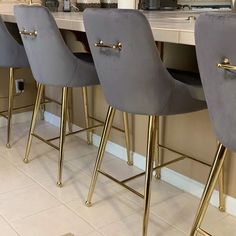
[12,56]
[52,63]
[215,45]
[134,80]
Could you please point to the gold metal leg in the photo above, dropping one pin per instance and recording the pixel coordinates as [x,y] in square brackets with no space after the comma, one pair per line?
[62,133]
[10,106]
[211,182]
[69,121]
[127,139]
[152,129]
[101,150]
[221,190]
[157,149]
[33,121]
[42,107]
[86,113]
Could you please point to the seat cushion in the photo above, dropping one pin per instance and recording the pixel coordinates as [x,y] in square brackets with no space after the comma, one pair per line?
[191,80]
[84,56]
[186,77]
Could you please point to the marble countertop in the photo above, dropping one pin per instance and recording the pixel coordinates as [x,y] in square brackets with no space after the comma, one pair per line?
[167,26]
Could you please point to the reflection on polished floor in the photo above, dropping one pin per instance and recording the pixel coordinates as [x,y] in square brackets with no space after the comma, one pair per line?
[32,205]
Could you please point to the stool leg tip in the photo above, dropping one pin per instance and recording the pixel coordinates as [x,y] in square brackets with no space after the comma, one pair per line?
[221,209]
[130,163]
[26,160]
[88,204]
[59,184]
[8,145]
[158,176]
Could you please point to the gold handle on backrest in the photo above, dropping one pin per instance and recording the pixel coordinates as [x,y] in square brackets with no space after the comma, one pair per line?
[226,65]
[28,33]
[117,46]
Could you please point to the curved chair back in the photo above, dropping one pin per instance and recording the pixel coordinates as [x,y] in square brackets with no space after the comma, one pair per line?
[132,76]
[215,36]
[50,59]
[12,54]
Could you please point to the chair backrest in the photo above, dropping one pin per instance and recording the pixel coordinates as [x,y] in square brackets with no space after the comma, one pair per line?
[215,36]
[50,59]
[133,78]
[11,52]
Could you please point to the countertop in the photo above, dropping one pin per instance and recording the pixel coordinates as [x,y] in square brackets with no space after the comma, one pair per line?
[167,26]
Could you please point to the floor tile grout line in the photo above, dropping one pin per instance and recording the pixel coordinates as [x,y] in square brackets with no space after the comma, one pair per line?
[17,189]
[9,224]
[174,226]
[71,209]
[62,202]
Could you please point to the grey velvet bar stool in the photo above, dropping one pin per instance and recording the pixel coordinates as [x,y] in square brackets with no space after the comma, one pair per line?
[52,63]
[215,38]
[12,56]
[133,80]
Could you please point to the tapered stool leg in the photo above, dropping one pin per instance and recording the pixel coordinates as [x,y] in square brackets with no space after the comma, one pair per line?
[157,150]
[64,110]
[33,121]
[221,190]
[42,106]
[86,113]
[101,150]
[10,106]
[69,121]
[152,129]
[127,139]
[211,182]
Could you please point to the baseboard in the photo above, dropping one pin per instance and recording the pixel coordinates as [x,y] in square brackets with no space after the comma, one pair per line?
[172,177]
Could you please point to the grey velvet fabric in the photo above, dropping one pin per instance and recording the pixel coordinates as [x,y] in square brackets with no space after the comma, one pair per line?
[134,79]
[51,61]
[215,36]
[12,54]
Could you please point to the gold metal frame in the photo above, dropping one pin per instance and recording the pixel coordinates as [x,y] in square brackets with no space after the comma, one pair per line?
[7,114]
[152,142]
[10,105]
[226,65]
[63,134]
[216,170]
[86,113]
[117,46]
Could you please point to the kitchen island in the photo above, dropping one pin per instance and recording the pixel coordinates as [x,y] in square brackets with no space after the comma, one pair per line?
[167,26]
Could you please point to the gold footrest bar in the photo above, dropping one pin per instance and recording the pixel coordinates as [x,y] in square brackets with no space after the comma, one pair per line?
[3,115]
[157,167]
[17,108]
[76,132]
[182,154]
[121,183]
[203,232]
[46,141]
[22,108]
[52,100]
[100,121]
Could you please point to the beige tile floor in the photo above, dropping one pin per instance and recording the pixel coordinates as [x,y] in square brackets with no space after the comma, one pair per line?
[32,205]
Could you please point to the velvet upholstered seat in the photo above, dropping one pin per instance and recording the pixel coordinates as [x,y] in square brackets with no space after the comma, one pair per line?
[215,38]
[52,63]
[134,80]
[12,56]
